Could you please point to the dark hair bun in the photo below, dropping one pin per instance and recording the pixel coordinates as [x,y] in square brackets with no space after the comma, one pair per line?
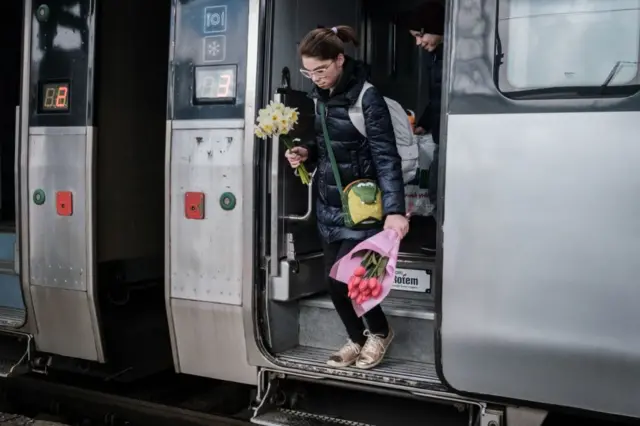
[327,43]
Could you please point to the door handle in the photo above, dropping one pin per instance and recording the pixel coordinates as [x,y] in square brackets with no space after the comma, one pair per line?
[307,215]
[276,225]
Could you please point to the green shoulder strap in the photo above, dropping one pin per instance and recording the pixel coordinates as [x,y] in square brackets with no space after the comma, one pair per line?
[327,142]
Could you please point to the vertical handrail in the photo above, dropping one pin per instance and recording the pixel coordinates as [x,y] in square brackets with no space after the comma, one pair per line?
[16,243]
[275,196]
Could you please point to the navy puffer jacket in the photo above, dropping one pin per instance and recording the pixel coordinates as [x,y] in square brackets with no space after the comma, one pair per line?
[375,157]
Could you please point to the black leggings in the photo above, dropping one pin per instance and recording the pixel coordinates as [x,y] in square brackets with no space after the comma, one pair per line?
[376,320]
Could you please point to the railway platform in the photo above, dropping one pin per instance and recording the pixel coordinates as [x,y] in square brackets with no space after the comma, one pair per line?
[12,419]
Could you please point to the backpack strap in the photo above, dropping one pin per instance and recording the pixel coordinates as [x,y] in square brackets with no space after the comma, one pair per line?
[327,141]
[356,114]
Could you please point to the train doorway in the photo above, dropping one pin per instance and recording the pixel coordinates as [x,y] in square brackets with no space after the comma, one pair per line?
[296,285]
[131,63]
[12,308]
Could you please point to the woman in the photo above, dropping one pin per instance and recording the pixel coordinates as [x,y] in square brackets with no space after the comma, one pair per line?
[338,80]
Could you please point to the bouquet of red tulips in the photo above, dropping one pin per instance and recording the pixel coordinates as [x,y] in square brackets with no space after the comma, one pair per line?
[367,277]
[369,270]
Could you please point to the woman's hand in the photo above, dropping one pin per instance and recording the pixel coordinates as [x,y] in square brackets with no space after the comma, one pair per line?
[398,223]
[296,156]
[419,131]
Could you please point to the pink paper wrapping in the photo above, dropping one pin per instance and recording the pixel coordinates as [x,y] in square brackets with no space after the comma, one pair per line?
[385,243]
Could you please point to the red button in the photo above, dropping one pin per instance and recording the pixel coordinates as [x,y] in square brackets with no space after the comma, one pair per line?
[64,203]
[194,205]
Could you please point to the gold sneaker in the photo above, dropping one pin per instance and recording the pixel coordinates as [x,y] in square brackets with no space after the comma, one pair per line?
[345,356]
[373,351]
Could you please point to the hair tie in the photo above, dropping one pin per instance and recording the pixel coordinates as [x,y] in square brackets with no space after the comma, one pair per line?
[335,30]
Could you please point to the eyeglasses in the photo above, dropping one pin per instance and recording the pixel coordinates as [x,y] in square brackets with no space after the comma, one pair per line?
[318,73]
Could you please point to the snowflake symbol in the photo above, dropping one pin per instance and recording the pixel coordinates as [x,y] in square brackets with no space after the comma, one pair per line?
[214,48]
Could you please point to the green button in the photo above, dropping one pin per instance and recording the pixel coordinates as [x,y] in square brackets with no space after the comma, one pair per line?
[39,197]
[42,13]
[227,201]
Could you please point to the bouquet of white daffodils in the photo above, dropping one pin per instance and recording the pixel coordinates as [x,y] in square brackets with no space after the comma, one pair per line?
[278,120]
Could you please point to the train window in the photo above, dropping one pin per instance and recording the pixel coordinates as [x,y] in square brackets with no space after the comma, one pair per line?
[568,47]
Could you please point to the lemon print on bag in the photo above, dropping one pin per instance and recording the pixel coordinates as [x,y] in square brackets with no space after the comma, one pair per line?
[362,203]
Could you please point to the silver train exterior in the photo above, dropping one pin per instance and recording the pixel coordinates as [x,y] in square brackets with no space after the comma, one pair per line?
[75,247]
[532,300]
[534,277]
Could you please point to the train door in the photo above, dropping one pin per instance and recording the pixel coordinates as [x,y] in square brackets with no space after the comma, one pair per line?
[94,173]
[299,325]
[58,207]
[291,246]
[12,307]
[538,295]
[209,175]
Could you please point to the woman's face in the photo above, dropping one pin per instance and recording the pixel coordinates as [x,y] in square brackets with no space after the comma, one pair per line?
[324,72]
[426,41]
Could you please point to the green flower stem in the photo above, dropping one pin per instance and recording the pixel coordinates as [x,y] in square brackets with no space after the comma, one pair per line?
[369,261]
[382,267]
[375,264]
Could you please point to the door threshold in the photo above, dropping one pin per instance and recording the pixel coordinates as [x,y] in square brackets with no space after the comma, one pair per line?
[419,376]
[12,317]
[285,417]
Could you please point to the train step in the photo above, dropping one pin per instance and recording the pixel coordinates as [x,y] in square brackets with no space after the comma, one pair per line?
[410,315]
[15,354]
[11,317]
[285,417]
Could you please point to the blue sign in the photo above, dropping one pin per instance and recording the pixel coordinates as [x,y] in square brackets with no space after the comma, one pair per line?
[219,30]
[215,19]
[215,48]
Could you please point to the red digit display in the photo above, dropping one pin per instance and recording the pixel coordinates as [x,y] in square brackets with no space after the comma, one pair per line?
[215,83]
[54,97]
[224,85]
[62,100]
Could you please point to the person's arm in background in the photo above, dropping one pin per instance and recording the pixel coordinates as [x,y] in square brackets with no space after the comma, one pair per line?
[423,125]
[429,121]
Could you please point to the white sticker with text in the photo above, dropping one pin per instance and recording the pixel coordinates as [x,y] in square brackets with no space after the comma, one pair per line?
[412,280]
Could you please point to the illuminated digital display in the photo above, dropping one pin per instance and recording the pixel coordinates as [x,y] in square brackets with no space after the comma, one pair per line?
[54,97]
[215,83]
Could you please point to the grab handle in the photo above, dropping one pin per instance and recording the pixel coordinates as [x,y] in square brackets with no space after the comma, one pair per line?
[18,149]
[277,203]
[307,215]
[275,197]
